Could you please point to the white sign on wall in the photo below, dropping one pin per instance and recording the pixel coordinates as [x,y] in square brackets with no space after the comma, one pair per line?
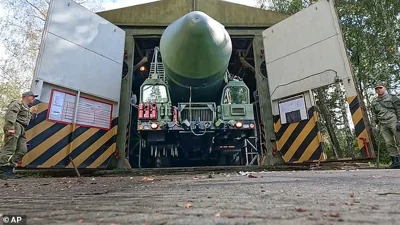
[94,113]
[91,113]
[62,107]
[293,110]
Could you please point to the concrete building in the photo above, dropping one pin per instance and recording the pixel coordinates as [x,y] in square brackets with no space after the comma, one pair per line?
[303,53]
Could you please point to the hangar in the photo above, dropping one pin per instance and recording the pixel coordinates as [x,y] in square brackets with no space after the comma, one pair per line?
[87,117]
[144,25]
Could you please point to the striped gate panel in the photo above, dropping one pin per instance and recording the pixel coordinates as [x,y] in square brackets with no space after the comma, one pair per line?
[49,144]
[301,141]
[127,140]
[359,125]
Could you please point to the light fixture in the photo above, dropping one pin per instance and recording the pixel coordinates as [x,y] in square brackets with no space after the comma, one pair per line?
[154,125]
[239,124]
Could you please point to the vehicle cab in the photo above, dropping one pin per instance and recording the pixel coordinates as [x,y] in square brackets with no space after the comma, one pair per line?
[235,109]
[155,108]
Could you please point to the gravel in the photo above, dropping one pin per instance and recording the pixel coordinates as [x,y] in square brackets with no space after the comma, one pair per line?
[290,198]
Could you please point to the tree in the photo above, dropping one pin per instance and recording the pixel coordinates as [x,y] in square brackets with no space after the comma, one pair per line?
[329,121]
[285,6]
[21,28]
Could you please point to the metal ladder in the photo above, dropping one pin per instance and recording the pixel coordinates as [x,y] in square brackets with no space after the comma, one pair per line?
[157,70]
[251,151]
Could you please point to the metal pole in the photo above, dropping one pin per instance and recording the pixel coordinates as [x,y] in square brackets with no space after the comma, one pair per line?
[72,133]
[312,100]
[129,131]
[140,153]
[246,152]
[78,96]
[378,158]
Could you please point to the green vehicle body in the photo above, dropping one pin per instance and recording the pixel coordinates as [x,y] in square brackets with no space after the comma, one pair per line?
[199,113]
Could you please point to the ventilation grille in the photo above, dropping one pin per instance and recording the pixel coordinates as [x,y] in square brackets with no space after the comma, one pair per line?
[198,114]
[238,111]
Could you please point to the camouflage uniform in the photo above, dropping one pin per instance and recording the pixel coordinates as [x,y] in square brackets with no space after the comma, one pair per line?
[17,118]
[386,111]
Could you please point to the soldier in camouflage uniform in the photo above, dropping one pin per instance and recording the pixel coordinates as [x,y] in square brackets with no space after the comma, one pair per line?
[17,118]
[386,109]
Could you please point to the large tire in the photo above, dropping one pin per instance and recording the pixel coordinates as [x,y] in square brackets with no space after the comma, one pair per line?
[163,162]
[222,160]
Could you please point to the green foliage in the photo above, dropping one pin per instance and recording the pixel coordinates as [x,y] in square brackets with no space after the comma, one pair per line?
[285,6]
[371,30]
[383,153]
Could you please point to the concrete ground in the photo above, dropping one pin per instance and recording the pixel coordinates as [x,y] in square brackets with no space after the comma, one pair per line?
[295,198]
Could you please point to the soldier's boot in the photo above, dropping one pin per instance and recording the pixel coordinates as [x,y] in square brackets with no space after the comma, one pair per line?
[395,162]
[8,173]
[2,172]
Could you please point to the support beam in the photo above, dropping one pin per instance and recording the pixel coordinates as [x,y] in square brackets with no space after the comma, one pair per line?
[138,50]
[125,106]
[247,64]
[139,64]
[265,104]
[158,31]
[248,50]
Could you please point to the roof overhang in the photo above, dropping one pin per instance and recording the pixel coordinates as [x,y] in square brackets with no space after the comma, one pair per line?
[164,12]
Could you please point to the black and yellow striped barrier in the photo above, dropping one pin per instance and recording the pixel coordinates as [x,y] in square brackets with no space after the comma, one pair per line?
[50,144]
[359,126]
[299,142]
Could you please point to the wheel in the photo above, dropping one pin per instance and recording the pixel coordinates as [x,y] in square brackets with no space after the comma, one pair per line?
[162,162]
[222,160]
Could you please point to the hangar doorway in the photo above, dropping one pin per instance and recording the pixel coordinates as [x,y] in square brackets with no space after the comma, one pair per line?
[241,64]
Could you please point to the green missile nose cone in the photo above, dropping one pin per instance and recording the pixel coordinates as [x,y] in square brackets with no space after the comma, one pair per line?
[195,50]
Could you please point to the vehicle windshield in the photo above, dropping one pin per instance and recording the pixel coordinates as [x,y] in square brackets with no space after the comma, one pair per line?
[236,95]
[154,94]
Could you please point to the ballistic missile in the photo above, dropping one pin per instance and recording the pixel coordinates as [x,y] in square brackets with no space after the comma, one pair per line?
[195,51]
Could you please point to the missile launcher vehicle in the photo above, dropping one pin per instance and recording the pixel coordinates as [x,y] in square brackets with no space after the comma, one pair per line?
[191,108]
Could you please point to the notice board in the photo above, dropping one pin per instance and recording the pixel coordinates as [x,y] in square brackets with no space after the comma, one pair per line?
[91,113]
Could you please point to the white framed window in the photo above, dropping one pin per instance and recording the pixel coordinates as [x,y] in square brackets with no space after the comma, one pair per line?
[293,110]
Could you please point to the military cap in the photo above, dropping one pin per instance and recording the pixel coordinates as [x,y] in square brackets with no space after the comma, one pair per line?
[380,84]
[29,93]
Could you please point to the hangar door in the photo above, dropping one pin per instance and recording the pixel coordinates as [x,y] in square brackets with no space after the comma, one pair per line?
[303,53]
[78,79]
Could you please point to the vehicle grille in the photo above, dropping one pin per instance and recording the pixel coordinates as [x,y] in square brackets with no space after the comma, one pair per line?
[198,114]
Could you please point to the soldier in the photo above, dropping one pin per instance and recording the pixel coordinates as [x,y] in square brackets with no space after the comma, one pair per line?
[17,118]
[386,109]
